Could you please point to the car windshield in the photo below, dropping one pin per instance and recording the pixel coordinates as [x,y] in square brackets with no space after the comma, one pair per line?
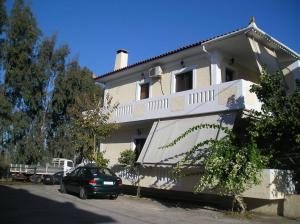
[58,174]
[101,171]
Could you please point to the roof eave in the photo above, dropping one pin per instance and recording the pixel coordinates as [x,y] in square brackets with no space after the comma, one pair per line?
[251,27]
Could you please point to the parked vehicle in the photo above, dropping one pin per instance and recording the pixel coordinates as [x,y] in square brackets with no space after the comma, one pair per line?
[53,179]
[91,181]
[36,173]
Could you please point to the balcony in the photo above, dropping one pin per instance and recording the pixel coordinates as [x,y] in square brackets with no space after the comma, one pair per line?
[227,96]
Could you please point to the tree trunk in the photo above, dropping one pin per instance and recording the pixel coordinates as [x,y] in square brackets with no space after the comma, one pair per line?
[94,143]
[138,190]
[240,202]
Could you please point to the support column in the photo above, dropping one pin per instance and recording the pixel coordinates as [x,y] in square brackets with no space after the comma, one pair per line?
[215,69]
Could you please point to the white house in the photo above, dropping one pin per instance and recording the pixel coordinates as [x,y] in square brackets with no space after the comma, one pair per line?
[205,82]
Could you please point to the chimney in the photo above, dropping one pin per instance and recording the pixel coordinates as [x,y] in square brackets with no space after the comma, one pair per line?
[121,59]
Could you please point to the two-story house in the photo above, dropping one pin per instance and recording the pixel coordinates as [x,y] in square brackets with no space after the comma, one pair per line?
[205,82]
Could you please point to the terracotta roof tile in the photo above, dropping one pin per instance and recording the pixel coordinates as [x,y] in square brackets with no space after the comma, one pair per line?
[168,53]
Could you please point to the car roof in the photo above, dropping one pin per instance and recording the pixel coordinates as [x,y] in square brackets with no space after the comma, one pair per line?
[92,165]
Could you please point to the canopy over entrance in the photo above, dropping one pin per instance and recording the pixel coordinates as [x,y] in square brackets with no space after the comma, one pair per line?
[164,132]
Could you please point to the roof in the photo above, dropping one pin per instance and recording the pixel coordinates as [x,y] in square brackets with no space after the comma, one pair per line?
[199,43]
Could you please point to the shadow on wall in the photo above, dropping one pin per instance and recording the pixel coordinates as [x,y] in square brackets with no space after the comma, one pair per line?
[125,173]
[20,206]
[272,207]
[283,182]
[234,103]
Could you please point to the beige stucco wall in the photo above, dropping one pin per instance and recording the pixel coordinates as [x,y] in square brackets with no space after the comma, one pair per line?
[291,74]
[122,139]
[241,72]
[265,57]
[160,178]
[203,74]
[162,86]
[124,89]
[291,206]
[272,185]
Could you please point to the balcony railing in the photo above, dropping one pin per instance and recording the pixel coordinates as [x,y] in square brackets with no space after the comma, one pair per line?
[222,97]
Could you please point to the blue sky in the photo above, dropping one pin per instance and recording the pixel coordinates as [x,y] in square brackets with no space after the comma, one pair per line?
[95,29]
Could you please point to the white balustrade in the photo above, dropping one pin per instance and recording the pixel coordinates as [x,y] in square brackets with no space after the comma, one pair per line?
[196,101]
[159,104]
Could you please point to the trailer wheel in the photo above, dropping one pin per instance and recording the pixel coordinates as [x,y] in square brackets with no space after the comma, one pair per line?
[35,179]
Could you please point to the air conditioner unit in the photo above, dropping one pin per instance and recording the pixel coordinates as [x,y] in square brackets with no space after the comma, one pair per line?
[155,72]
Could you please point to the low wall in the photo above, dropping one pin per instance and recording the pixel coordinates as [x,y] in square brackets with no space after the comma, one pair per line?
[266,198]
[274,183]
[291,206]
[288,207]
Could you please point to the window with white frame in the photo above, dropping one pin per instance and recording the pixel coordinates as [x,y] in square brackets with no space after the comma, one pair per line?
[143,89]
[183,79]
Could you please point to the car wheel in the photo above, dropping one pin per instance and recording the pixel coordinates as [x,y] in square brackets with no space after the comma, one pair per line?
[63,188]
[113,196]
[82,193]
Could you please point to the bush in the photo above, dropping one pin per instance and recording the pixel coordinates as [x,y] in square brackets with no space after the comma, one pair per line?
[127,158]
[100,160]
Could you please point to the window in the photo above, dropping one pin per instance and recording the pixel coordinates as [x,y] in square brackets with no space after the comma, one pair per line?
[144,94]
[82,172]
[139,144]
[61,163]
[70,164]
[184,81]
[229,75]
[75,172]
[101,171]
[143,89]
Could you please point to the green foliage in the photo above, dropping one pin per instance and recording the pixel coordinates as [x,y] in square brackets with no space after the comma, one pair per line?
[72,85]
[278,124]
[128,158]
[19,54]
[23,91]
[100,160]
[3,19]
[276,129]
[92,125]
[228,168]
[3,16]
[40,96]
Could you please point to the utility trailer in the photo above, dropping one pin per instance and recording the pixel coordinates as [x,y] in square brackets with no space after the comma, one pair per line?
[36,173]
